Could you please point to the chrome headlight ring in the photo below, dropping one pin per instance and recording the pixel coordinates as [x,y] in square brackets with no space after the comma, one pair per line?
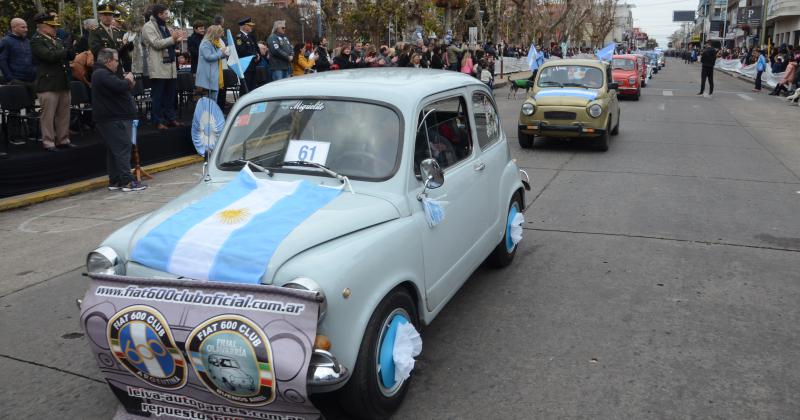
[595,110]
[528,109]
[104,260]
[305,283]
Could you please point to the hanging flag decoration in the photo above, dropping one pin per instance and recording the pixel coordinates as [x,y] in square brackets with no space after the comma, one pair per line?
[207,125]
[238,65]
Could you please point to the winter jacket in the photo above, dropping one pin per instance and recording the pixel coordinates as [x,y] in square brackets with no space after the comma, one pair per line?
[193,43]
[16,58]
[452,54]
[208,66]
[789,75]
[709,57]
[111,96]
[343,62]
[52,64]
[156,44]
[761,64]
[301,64]
[82,67]
[279,51]
[323,62]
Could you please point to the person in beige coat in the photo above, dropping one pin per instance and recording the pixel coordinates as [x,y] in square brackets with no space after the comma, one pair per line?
[160,42]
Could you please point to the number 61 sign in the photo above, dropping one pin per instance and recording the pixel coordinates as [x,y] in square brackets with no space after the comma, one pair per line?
[307,151]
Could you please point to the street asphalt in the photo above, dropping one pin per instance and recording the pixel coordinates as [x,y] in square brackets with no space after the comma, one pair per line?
[658,280]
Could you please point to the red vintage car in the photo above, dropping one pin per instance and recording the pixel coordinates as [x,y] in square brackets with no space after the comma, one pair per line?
[626,71]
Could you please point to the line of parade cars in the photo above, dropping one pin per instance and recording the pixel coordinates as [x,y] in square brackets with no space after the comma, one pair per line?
[578,98]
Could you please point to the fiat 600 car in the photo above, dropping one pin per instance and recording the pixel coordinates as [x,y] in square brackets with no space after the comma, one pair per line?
[389,142]
[571,98]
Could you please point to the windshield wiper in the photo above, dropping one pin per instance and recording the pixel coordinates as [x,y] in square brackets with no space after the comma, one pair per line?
[576,85]
[343,179]
[241,162]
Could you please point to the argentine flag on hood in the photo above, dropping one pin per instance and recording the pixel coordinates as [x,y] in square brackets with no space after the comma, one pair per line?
[231,235]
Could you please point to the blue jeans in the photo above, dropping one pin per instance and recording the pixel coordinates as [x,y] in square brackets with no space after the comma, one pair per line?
[165,98]
[279,74]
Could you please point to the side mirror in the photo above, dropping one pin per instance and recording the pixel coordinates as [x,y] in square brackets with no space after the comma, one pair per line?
[613,86]
[432,175]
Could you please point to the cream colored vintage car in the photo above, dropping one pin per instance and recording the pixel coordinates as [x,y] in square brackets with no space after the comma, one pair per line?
[571,98]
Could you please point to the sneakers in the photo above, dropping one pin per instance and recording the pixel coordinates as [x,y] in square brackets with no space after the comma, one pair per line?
[133,186]
[700,94]
[709,96]
[114,187]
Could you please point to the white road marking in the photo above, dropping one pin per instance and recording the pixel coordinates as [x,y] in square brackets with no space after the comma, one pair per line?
[662,107]
[23,227]
[667,93]
[745,97]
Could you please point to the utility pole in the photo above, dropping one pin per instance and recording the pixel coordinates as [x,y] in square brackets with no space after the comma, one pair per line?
[319,19]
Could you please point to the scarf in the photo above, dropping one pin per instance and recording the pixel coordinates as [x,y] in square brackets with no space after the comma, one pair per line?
[167,54]
[218,43]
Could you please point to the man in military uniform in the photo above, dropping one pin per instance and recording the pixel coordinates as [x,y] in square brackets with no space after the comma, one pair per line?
[246,45]
[107,36]
[52,64]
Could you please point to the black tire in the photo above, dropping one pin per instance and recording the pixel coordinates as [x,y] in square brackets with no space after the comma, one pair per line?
[644,82]
[615,131]
[525,140]
[364,397]
[501,256]
[601,143]
[638,95]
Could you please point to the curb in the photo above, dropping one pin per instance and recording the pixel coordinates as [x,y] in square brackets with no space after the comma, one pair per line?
[87,185]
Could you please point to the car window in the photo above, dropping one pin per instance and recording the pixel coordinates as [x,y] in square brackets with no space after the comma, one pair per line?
[571,75]
[487,124]
[443,133]
[622,64]
[322,131]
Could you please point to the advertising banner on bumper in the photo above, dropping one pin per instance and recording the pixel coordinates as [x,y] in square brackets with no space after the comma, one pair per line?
[202,350]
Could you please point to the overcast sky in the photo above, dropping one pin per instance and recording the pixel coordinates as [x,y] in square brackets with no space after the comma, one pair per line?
[655,17]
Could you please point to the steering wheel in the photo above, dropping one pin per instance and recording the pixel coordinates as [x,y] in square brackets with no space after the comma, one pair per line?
[357,159]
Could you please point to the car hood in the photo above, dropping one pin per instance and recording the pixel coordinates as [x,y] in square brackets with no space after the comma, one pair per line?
[347,213]
[623,74]
[565,97]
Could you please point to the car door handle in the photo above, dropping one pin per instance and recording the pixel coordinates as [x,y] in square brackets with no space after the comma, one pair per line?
[479,166]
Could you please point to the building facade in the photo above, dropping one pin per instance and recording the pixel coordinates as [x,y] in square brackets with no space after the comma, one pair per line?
[783,22]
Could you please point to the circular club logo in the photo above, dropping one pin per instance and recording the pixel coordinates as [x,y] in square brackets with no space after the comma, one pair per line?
[140,340]
[233,358]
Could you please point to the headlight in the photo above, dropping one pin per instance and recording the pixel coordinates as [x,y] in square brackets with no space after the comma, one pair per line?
[528,109]
[305,283]
[595,110]
[103,260]
[632,80]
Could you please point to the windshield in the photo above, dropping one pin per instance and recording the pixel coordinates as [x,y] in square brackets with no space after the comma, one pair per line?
[581,76]
[622,64]
[355,139]
[229,363]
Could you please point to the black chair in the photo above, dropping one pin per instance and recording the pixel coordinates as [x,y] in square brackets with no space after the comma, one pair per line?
[80,102]
[262,77]
[141,95]
[15,103]
[185,90]
[231,82]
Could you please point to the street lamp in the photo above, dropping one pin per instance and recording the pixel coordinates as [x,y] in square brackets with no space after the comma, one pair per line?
[302,28]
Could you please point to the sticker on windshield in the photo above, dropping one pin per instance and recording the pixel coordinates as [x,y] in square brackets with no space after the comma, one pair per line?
[301,106]
[307,151]
[242,120]
[258,108]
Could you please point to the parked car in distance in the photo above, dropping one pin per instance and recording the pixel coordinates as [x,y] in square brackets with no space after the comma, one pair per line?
[571,98]
[627,74]
[644,70]
[399,136]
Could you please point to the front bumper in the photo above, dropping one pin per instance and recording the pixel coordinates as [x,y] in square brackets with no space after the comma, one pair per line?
[627,90]
[325,373]
[575,129]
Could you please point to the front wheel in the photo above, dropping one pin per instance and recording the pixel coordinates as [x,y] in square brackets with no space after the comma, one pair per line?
[504,252]
[366,396]
[525,140]
[601,143]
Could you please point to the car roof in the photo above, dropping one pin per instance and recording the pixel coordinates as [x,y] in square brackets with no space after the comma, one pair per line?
[626,56]
[396,85]
[576,61]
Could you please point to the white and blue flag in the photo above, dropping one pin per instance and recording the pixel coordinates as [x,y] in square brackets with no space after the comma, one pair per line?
[535,58]
[607,52]
[580,93]
[238,65]
[231,235]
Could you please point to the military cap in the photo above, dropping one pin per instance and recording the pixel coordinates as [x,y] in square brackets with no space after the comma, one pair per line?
[107,8]
[246,21]
[47,18]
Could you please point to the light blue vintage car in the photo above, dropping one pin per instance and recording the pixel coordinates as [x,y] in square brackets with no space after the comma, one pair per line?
[400,137]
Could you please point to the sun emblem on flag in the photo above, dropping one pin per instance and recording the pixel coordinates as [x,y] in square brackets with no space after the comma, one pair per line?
[233,216]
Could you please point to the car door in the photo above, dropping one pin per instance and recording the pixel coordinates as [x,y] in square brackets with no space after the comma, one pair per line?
[451,251]
[493,158]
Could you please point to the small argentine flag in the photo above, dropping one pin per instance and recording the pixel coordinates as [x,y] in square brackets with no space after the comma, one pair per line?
[238,65]
[607,52]
[587,94]
[231,235]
